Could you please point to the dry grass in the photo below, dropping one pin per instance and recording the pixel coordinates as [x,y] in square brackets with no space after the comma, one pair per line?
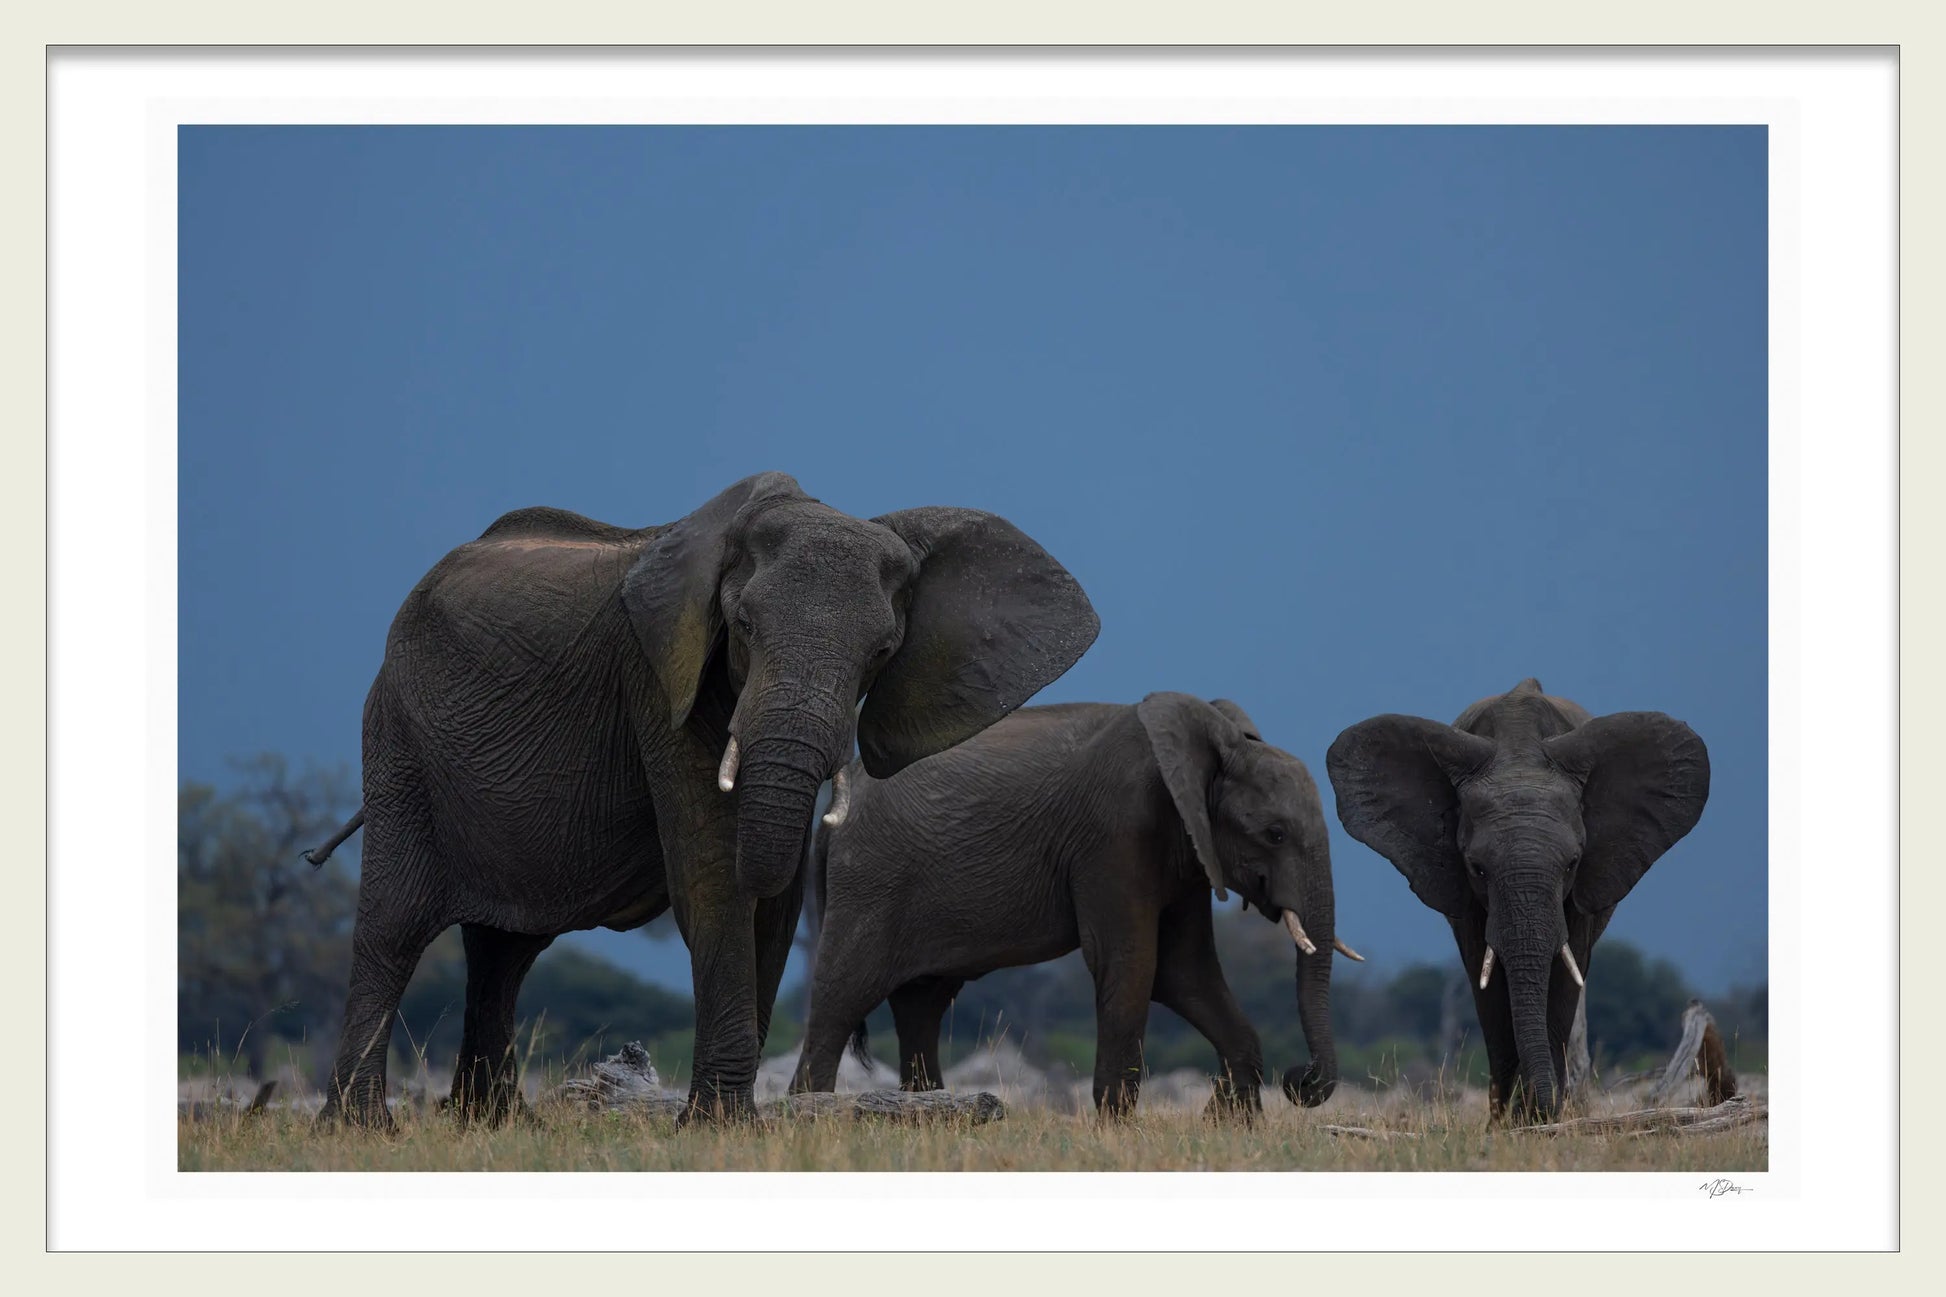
[1426,1136]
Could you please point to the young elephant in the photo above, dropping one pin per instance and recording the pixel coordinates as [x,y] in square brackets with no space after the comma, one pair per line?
[1524,822]
[1092,825]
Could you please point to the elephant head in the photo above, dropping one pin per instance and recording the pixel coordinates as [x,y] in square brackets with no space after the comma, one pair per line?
[1525,830]
[1256,824]
[941,620]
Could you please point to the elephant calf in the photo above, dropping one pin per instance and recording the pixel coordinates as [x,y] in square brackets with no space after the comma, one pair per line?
[1091,825]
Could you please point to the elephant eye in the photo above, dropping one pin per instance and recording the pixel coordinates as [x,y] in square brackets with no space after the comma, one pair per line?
[743,623]
[881,653]
[1276,834]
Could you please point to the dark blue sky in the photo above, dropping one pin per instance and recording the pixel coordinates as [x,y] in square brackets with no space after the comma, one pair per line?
[1331,421]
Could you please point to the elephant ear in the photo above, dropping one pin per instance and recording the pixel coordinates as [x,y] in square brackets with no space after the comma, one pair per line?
[670,591]
[1237,717]
[990,619]
[1190,739]
[1644,778]
[1397,780]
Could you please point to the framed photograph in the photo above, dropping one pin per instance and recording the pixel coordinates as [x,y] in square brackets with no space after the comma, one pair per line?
[974,633]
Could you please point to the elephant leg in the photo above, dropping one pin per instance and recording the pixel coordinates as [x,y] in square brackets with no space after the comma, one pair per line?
[485,1075]
[917,1008]
[1124,973]
[387,939]
[718,924]
[776,932]
[848,981]
[842,994]
[1189,979]
[723,964]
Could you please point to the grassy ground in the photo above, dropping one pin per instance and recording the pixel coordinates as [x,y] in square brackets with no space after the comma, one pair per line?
[1449,1138]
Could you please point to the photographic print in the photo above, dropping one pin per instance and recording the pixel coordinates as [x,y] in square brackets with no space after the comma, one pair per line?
[973,648]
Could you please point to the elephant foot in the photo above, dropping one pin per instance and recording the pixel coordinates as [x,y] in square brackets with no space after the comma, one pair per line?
[1230,1103]
[371,1118]
[1514,1105]
[719,1106]
[491,1112]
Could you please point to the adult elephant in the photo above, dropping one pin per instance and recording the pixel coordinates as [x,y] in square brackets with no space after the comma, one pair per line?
[579,725]
[1094,825]
[1524,822]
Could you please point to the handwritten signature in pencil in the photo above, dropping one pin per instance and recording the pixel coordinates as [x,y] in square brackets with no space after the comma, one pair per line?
[1717,1188]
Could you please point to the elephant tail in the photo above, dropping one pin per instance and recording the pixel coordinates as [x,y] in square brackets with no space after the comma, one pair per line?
[316,856]
[861,1046]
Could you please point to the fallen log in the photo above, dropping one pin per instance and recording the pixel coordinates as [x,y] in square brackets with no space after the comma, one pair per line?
[975,1109]
[1735,1112]
[626,1081]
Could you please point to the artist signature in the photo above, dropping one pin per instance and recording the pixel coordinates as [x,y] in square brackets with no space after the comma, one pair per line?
[1717,1188]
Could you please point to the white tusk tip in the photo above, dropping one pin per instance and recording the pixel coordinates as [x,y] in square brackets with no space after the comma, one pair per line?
[1298,934]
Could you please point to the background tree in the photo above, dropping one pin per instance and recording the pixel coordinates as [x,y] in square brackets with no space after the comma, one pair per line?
[263,940]
[264,944]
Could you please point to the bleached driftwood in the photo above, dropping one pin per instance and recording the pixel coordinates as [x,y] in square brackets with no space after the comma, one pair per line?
[1367,1132]
[1735,1112]
[1701,1049]
[225,1105]
[626,1081]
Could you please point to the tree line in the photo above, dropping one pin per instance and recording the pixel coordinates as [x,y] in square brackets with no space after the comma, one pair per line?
[264,948]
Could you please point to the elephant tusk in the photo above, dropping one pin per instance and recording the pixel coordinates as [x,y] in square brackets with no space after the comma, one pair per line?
[840,799]
[1574,969]
[1338,944]
[1304,943]
[726,774]
[1486,968]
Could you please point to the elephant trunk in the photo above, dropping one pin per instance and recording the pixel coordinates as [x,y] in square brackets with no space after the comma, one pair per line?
[1315,1083]
[1528,969]
[1320,1075]
[783,754]
[1525,929]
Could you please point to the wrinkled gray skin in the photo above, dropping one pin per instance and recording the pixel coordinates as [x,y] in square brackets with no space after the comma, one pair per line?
[1088,824]
[1525,822]
[542,744]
